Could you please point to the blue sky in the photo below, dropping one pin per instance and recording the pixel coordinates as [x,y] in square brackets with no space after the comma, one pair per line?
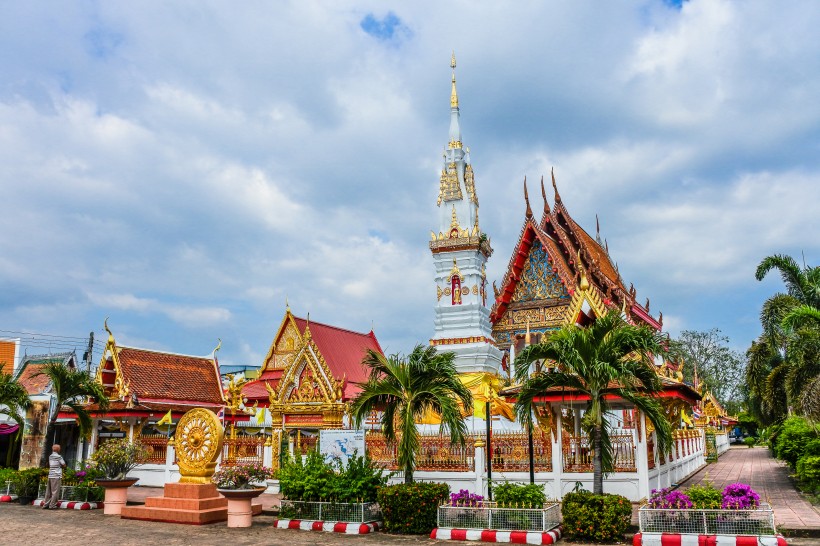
[184,168]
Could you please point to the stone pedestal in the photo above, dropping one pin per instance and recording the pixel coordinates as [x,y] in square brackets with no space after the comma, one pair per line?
[189,503]
[240,510]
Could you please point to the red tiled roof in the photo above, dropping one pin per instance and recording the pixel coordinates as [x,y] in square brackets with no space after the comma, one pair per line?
[159,409]
[255,390]
[343,350]
[167,376]
[31,381]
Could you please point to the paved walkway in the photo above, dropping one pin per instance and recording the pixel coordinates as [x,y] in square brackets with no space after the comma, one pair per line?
[770,478]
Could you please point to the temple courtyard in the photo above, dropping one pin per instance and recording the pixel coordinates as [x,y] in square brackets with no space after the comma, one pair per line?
[27,525]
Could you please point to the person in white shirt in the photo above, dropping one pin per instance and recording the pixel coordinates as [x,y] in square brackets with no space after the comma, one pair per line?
[56,464]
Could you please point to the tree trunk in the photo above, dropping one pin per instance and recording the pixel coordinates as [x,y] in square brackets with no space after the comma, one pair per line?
[408,474]
[48,441]
[597,462]
[13,441]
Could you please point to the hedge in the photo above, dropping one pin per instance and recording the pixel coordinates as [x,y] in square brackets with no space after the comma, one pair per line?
[412,508]
[599,518]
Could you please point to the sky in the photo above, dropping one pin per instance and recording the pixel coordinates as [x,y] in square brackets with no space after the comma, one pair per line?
[185,168]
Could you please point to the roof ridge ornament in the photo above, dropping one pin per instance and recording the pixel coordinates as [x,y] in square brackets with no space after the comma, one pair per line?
[583,285]
[527,198]
[555,186]
[107,329]
[544,195]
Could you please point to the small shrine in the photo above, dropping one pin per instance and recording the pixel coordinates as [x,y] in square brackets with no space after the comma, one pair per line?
[308,377]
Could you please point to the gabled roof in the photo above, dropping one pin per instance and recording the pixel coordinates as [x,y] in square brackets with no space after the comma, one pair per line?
[156,376]
[28,374]
[573,253]
[341,350]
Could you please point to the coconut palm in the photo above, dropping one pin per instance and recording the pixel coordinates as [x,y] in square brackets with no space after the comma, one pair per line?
[407,389]
[608,358]
[71,387]
[14,401]
[786,357]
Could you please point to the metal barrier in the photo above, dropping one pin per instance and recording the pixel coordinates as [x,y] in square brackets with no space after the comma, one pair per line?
[708,522]
[353,512]
[243,450]
[488,515]
[75,493]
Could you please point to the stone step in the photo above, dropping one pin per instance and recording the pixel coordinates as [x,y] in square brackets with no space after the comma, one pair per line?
[186,504]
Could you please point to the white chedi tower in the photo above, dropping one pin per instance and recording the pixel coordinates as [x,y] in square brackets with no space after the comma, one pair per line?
[460,252]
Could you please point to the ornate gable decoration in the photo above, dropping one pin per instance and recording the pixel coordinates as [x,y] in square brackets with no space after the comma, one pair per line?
[450,189]
[285,344]
[119,389]
[538,280]
[307,386]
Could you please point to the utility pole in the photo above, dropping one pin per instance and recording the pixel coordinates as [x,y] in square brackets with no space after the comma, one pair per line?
[87,355]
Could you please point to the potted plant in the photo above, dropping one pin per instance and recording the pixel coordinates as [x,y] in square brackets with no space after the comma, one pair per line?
[26,483]
[113,461]
[239,484]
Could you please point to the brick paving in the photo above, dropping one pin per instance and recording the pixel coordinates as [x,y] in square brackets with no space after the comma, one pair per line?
[770,478]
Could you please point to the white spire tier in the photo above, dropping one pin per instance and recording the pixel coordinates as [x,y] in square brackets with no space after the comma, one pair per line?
[460,252]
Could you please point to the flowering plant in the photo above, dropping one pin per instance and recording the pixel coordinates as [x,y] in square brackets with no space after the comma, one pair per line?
[465,498]
[242,476]
[665,498]
[740,496]
[116,458]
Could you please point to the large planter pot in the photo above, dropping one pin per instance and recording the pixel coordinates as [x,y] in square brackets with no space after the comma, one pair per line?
[116,494]
[239,505]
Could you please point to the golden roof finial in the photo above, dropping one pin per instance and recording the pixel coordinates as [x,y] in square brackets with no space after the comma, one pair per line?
[110,334]
[584,284]
[287,304]
[453,93]
[454,220]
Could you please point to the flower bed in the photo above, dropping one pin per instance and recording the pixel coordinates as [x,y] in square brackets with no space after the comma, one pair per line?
[751,522]
[488,515]
[347,512]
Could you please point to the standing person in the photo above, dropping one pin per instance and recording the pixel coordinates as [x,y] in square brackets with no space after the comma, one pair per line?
[56,464]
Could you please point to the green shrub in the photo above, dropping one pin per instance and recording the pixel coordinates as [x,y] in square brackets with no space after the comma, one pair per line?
[808,472]
[27,482]
[316,479]
[792,440]
[705,496]
[6,474]
[750,441]
[600,518]
[519,495]
[812,448]
[359,481]
[412,508]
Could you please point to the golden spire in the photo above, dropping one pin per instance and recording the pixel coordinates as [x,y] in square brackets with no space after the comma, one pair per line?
[453,93]
[527,337]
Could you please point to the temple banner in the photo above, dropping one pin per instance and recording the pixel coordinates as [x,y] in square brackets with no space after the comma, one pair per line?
[341,444]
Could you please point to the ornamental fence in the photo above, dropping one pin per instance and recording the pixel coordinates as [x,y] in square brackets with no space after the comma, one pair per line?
[350,512]
[510,451]
[156,446]
[243,450]
[759,521]
[436,453]
[578,454]
[488,515]
[75,493]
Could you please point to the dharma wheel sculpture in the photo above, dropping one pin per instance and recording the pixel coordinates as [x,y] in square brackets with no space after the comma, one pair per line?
[198,442]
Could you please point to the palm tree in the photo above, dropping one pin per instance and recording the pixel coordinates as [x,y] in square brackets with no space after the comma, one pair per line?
[405,390]
[786,357]
[15,399]
[608,358]
[71,387]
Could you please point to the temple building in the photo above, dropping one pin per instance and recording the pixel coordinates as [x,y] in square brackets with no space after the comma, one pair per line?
[143,385]
[308,377]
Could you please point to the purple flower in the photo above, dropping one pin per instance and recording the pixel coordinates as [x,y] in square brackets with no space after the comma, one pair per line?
[740,496]
[465,498]
[668,499]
